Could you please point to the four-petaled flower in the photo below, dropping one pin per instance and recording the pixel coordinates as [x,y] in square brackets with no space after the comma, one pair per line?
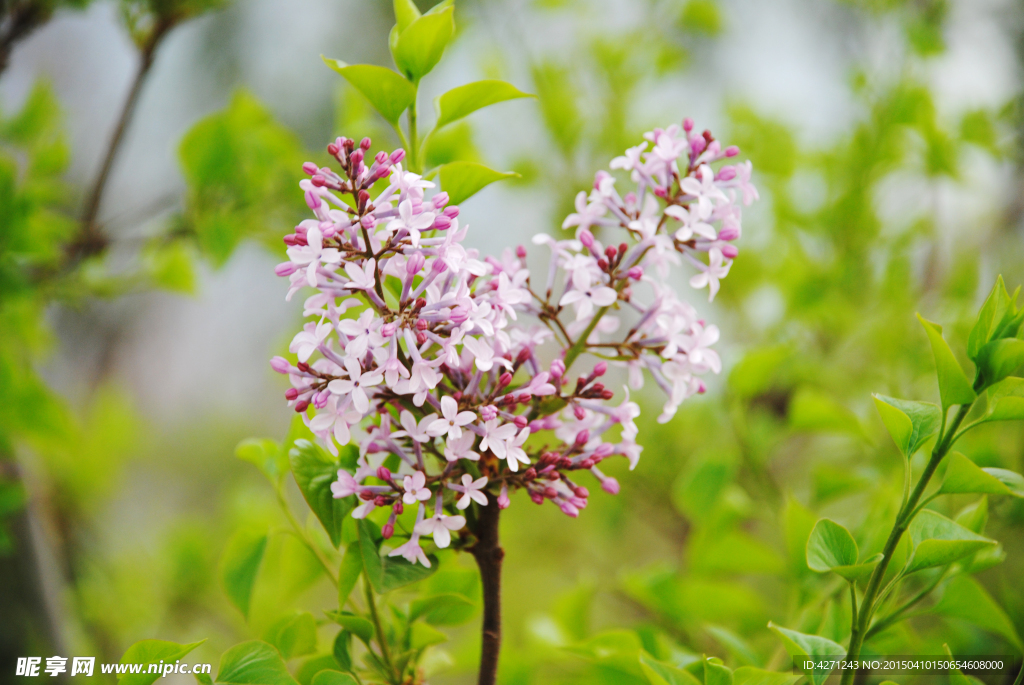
[415,488]
[586,299]
[471,490]
[440,527]
[451,421]
[356,384]
[710,275]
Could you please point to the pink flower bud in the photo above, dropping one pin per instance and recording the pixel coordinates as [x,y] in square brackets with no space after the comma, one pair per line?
[397,156]
[380,157]
[357,157]
[488,412]
[301,406]
[504,379]
[600,368]
[701,388]
[365,143]
[442,222]
[557,368]
[310,168]
[284,269]
[636,273]
[728,233]
[578,412]
[587,238]
[319,181]
[697,145]
[581,492]
[388,530]
[415,264]
[605,449]
[451,212]
[422,325]
[312,200]
[459,315]
[726,173]
[568,509]
[439,200]
[421,338]
[732,151]
[610,485]
[537,498]
[380,501]
[384,473]
[582,438]
[730,251]
[520,252]
[368,221]
[687,124]
[439,266]
[399,507]
[320,400]
[388,329]
[520,422]
[503,500]
[333,149]
[660,192]
[281,365]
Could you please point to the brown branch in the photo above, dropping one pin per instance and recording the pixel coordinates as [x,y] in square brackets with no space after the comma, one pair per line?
[489,555]
[90,240]
[22,18]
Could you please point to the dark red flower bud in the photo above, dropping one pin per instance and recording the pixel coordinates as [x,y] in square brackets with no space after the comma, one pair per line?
[302,366]
[387,531]
[602,264]
[529,474]
[318,180]
[505,379]
[332,149]
[422,325]
[291,393]
[610,252]
[383,473]
[365,143]
[366,495]
[622,248]
[581,491]
[301,406]
[421,337]
[607,394]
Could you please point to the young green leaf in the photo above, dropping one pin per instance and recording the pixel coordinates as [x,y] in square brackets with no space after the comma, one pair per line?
[342,649]
[398,572]
[748,675]
[313,665]
[389,93]
[329,677]
[351,567]
[974,517]
[151,652]
[1005,401]
[421,44]
[406,13]
[802,645]
[954,388]
[464,100]
[373,566]
[715,673]
[253,663]
[462,180]
[660,673]
[938,541]
[909,423]
[999,359]
[830,546]
[357,625]
[239,566]
[964,476]
[264,454]
[293,635]
[443,610]
[314,471]
[991,314]
[423,635]
[965,599]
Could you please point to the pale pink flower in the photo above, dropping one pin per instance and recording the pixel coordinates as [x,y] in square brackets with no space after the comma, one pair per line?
[415,490]
[712,273]
[440,527]
[461,448]
[356,384]
[585,300]
[471,490]
[451,421]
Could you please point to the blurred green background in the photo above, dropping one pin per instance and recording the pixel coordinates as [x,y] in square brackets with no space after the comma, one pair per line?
[885,136]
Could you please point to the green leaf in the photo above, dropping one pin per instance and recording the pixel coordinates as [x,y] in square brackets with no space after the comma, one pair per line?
[462,180]
[990,316]
[909,423]
[239,566]
[938,541]
[748,675]
[830,546]
[420,45]
[406,13]
[351,567]
[253,663]
[389,93]
[813,410]
[1005,401]
[293,635]
[314,471]
[974,516]
[1000,358]
[735,645]
[357,625]
[802,645]
[954,388]
[464,100]
[313,665]
[443,610]
[266,455]
[964,476]
[152,652]
[398,572]
[373,566]
[342,649]
[329,677]
[965,599]
[423,635]
[660,673]
[716,673]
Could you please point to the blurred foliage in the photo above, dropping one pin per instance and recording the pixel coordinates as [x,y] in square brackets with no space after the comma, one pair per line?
[707,541]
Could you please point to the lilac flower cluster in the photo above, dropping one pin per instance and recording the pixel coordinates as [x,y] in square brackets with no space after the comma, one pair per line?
[420,351]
